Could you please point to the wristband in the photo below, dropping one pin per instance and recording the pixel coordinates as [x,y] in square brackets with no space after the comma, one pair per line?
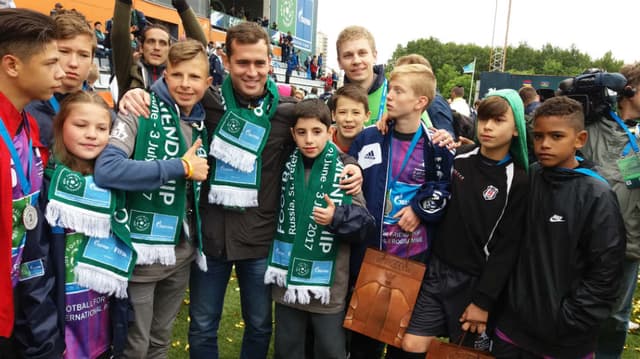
[189,168]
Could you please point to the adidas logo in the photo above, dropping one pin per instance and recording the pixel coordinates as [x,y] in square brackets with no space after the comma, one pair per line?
[556,218]
[370,155]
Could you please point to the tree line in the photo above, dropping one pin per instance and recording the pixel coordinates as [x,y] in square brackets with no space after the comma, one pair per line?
[447,59]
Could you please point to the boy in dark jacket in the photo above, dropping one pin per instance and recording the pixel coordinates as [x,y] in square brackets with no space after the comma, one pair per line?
[316,223]
[77,45]
[567,275]
[398,168]
[477,241]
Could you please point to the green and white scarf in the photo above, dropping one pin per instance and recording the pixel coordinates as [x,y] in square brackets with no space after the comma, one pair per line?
[237,146]
[303,254]
[103,256]
[75,201]
[156,217]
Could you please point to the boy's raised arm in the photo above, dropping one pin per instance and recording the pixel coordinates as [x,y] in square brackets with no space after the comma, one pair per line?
[190,22]
[114,169]
[121,43]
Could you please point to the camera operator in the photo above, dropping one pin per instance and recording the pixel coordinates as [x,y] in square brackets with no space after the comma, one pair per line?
[615,149]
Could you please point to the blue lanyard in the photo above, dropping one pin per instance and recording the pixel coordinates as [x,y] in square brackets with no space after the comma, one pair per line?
[24,181]
[383,100]
[412,146]
[632,139]
[590,173]
[585,171]
[53,101]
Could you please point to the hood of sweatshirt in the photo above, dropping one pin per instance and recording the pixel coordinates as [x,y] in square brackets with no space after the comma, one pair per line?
[518,144]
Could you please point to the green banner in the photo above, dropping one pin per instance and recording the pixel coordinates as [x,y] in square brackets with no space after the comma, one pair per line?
[287,10]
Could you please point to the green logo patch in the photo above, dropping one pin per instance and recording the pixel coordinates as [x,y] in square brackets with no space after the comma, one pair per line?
[302,268]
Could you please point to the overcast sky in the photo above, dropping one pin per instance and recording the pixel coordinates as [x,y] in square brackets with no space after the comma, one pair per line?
[594,27]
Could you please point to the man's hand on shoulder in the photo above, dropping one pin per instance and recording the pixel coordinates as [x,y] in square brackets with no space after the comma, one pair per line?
[443,138]
[351,181]
[383,123]
[136,102]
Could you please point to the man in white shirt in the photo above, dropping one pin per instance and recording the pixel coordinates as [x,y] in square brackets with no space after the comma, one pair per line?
[458,103]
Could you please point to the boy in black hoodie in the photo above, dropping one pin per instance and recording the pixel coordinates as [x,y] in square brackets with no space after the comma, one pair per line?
[475,245]
[568,272]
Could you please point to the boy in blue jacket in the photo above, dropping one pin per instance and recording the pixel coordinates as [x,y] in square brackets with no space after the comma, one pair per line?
[566,279]
[400,170]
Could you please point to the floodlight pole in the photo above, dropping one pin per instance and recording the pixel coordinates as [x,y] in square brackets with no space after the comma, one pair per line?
[506,37]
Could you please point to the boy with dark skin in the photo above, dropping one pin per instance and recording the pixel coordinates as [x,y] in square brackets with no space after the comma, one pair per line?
[568,272]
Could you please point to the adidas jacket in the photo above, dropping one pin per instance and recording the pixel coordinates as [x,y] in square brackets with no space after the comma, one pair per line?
[371,149]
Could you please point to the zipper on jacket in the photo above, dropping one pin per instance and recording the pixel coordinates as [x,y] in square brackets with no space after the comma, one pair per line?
[510,173]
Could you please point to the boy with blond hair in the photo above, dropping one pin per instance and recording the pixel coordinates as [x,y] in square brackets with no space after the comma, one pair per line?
[406,180]
[438,114]
[357,55]
[160,161]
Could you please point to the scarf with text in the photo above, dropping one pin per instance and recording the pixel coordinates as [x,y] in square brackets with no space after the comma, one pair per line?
[156,217]
[237,146]
[303,254]
[100,255]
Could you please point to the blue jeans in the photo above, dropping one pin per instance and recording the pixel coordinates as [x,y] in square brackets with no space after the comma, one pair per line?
[207,299]
[613,331]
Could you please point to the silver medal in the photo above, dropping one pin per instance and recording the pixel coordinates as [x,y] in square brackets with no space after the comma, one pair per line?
[30,217]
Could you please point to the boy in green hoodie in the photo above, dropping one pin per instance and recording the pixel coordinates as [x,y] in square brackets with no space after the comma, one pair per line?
[476,244]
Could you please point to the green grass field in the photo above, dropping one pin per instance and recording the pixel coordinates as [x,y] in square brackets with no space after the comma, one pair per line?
[231,328]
